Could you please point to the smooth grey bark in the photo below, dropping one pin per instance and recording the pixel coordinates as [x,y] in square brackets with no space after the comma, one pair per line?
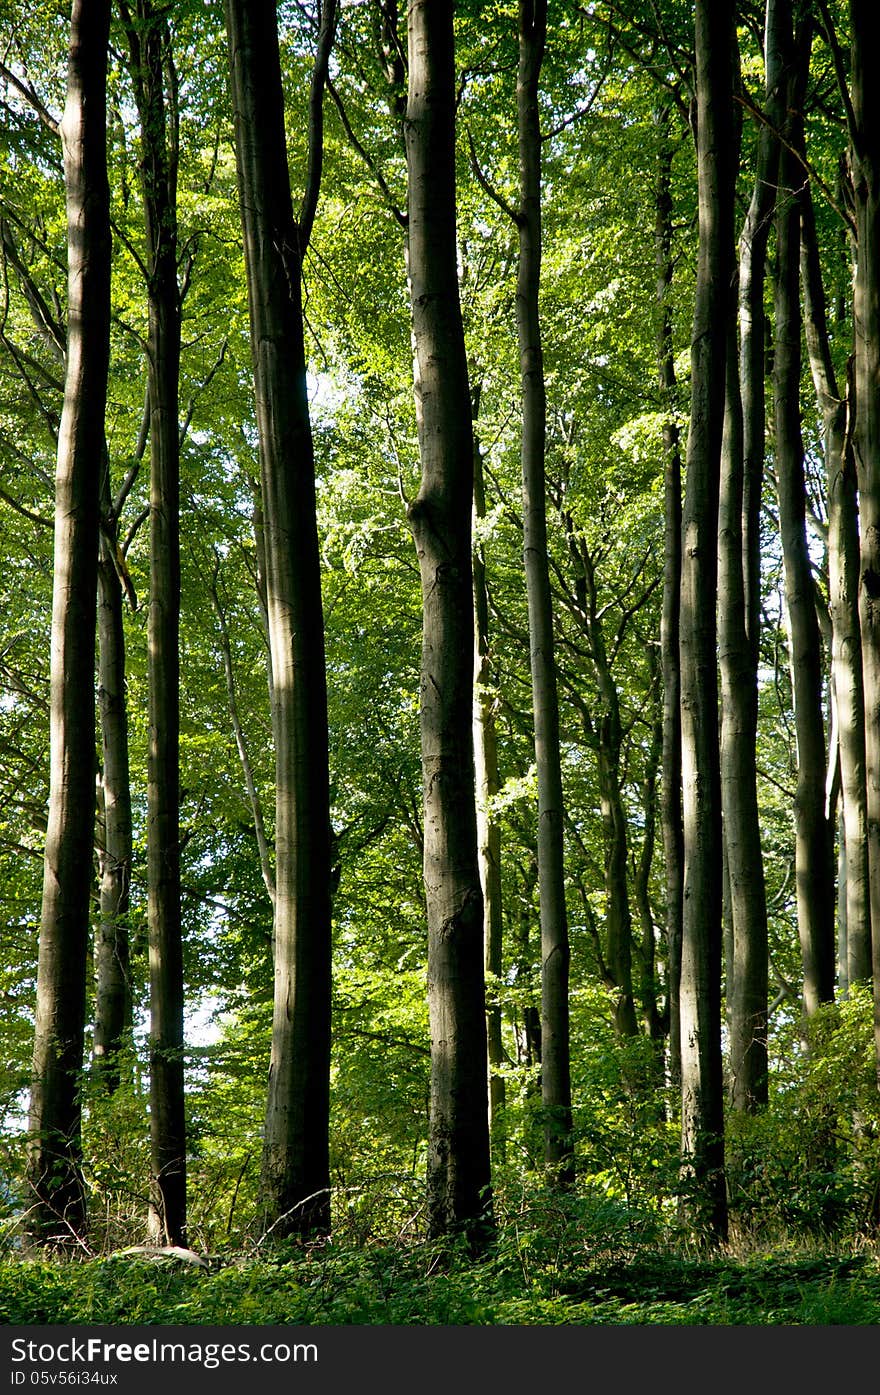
[57,1212]
[295,1181]
[670,776]
[555,953]
[701,1068]
[814,873]
[865,158]
[854,912]
[147,34]
[459,1175]
[488,828]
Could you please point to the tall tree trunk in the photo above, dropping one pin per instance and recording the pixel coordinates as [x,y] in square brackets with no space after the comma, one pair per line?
[865,156]
[58,1211]
[854,914]
[814,873]
[149,48]
[459,1178]
[739,608]
[670,782]
[555,955]
[296,1169]
[488,830]
[701,1071]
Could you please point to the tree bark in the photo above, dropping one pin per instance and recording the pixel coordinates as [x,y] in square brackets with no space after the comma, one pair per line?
[739,608]
[149,48]
[555,954]
[113,1005]
[865,157]
[702,1084]
[459,1178]
[814,873]
[670,776]
[295,1196]
[488,830]
[57,1213]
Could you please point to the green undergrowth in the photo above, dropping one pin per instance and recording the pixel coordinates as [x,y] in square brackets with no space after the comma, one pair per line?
[342,1285]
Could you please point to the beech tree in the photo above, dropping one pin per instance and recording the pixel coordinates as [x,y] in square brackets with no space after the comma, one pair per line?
[459,1177]
[58,1210]
[295,1170]
[702,1111]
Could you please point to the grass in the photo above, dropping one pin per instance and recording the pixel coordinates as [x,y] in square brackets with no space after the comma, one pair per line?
[344,1285]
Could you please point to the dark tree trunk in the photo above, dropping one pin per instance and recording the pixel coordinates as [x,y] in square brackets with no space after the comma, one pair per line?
[555,1063]
[814,872]
[670,782]
[702,1083]
[56,1212]
[296,1170]
[149,48]
[459,1178]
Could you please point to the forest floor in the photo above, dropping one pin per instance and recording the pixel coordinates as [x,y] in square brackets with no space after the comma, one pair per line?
[389,1285]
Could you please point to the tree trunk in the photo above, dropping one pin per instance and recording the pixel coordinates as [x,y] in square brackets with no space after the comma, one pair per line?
[113,1006]
[865,155]
[702,1084]
[149,45]
[854,914]
[814,872]
[459,1178]
[555,956]
[296,1170]
[58,1211]
[488,830]
[739,608]
[670,781]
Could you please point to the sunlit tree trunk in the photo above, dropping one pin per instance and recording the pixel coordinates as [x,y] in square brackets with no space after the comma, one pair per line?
[459,1178]
[295,1197]
[56,1210]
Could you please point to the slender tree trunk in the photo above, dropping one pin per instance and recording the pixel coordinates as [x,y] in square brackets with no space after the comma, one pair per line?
[814,871]
[296,1170]
[739,609]
[459,1177]
[555,955]
[865,155]
[149,47]
[488,830]
[702,1083]
[670,781]
[854,914]
[113,1006]
[58,1210]
[748,971]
